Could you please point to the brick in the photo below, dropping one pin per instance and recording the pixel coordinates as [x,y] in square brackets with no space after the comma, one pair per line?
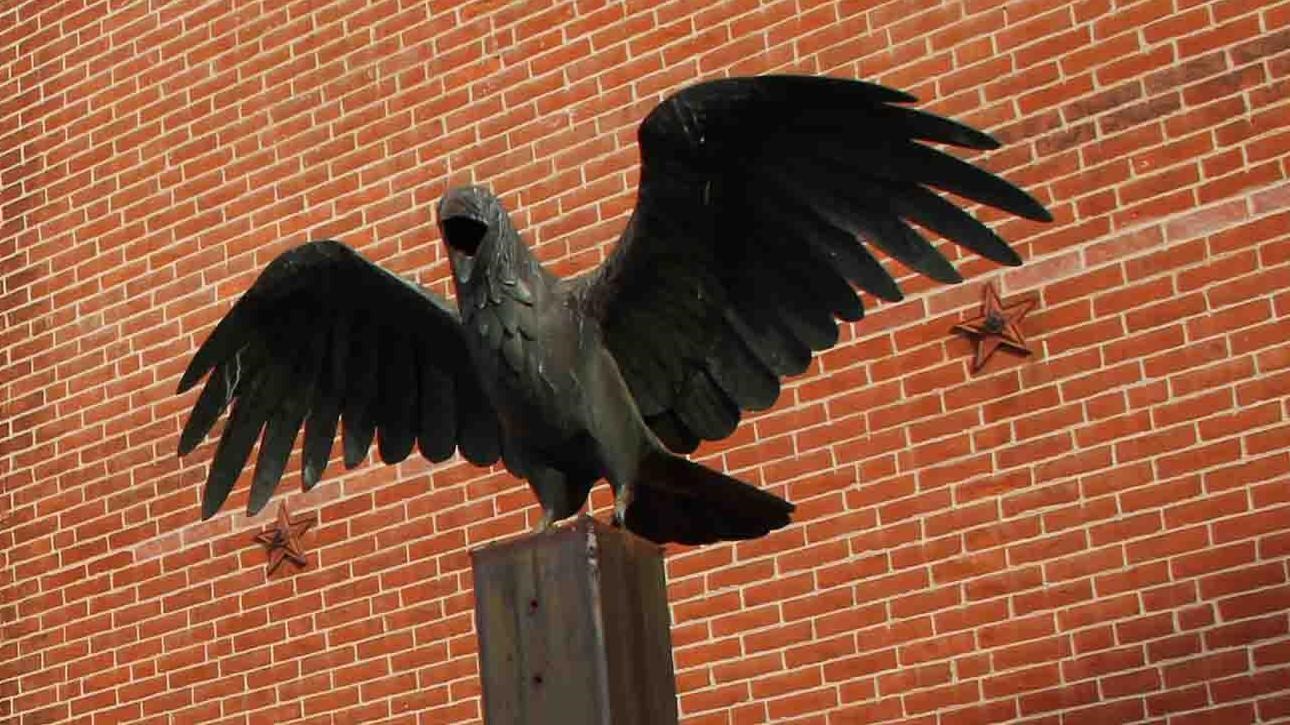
[1169,544]
[1040,651]
[1176,700]
[1254,603]
[1246,632]
[926,700]
[1118,711]
[1058,698]
[1103,663]
[1047,548]
[1252,524]
[1104,610]
[1196,617]
[1209,507]
[1274,707]
[1205,668]
[849,668]
[1214,559]
[1054,597]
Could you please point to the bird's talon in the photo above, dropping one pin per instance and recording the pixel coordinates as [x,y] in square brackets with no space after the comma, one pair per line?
[622,500]
[544,523]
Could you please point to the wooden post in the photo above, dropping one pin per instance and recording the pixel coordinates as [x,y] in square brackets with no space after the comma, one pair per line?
[574,628]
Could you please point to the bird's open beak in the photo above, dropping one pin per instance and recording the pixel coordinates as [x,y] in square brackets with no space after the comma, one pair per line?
[464,233]
[461,223]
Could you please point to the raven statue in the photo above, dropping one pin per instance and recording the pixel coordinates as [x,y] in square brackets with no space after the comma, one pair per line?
[756,198]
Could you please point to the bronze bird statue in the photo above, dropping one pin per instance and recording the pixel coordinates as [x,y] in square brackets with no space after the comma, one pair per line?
[756,201]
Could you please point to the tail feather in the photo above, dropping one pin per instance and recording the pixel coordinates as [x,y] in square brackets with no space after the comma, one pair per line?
[678,500]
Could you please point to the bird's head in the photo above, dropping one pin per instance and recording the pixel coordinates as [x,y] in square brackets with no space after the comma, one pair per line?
[475,229]
[468,215]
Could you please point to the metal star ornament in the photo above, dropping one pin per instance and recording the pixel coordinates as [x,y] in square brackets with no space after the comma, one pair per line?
[283,540]
[998,325]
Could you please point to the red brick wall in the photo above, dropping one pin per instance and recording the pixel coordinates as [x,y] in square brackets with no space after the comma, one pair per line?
[1101,529]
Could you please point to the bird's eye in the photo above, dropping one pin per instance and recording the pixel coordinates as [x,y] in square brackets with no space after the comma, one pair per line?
[464,234]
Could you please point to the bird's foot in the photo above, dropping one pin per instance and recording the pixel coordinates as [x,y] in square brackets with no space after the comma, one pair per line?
[622,500]
[545,522]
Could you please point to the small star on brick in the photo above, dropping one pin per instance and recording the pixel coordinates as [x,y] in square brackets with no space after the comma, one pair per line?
[998,325]
[283,541]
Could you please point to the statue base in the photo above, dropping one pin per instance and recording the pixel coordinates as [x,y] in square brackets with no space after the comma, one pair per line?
[574,628]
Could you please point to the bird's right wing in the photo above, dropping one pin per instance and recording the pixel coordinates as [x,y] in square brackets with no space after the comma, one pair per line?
[758,204]
[325,339]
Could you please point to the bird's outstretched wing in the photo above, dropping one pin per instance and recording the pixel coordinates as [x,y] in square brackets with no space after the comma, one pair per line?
[325,339]
[745,243]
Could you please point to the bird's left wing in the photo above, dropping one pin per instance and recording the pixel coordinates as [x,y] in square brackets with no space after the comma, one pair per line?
[326,339]
[757,199]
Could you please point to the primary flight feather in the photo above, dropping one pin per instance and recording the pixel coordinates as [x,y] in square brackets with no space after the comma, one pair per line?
[756,200]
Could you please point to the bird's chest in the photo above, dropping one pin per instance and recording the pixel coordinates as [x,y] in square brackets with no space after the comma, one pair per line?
[522,342]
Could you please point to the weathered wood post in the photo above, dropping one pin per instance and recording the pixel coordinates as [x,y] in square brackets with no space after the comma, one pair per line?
[574,628]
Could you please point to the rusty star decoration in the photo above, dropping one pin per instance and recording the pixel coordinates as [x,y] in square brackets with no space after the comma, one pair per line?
[998,325]
[283,541]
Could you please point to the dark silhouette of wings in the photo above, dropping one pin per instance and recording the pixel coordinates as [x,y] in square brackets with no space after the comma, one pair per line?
[743,246]
[326,338]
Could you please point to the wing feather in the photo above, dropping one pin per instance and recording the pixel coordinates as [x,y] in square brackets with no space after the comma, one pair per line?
[902,243]
[920,164]
[436,410]
[229,336]
[705,409]
[738,371]
[862,207]
[324,410]
[478,436]
[358,419]
[214,398]
[757,321]
[808,321]
[398,397]
[284,424]
[279,437]
[324,339]
[674,434]
[250,412]
[923,207]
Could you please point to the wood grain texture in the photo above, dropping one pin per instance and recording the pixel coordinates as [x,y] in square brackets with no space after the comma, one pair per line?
[574,628]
